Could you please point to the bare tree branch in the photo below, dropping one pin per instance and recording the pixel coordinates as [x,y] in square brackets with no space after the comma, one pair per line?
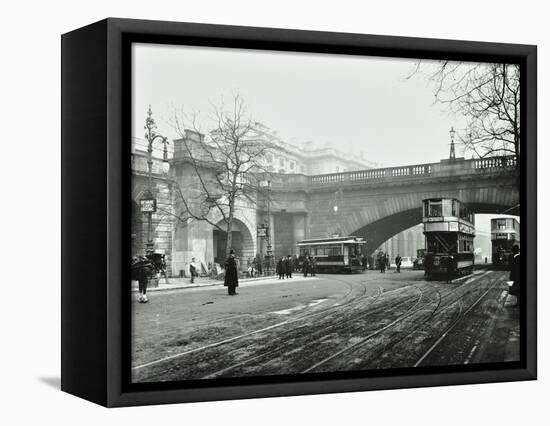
[228,162]
[487,95]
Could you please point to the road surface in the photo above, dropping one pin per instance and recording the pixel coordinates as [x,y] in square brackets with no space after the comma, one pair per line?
[324,323]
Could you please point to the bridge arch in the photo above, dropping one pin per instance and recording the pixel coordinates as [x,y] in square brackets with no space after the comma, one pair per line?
[379,231]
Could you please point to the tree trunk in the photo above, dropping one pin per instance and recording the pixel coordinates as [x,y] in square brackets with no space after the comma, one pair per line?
[229,229]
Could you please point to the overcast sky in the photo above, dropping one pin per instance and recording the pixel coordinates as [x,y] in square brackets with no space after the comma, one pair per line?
[349,102]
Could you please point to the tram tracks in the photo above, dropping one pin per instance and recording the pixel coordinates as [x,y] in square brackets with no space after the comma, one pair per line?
[209,355]
[438,310]
[343,301]
[333,320]
[459,318]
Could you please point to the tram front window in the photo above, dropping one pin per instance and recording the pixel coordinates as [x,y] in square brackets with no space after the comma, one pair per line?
[442,243]
[435,209]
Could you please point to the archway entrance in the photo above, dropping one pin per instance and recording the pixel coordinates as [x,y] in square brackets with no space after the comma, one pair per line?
[242,242]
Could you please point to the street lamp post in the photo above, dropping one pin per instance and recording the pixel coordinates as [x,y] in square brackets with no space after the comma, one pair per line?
[269,248]
[149,204]
[452,154]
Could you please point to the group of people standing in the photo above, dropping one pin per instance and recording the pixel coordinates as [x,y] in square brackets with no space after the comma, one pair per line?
[309,266]
[383,262]
[254,266]
[286,265]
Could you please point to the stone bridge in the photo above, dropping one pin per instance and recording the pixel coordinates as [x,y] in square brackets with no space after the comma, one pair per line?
[379,203]
[375,204]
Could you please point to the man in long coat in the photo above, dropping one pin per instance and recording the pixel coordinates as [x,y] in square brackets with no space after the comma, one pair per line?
[259,264]
[231,280]
[305,265]
[312,266]
[382,261]
[289,266]
[142,271]
[398,263]
[280,268]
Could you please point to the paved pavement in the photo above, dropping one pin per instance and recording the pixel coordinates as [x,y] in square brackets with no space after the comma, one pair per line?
[184,283]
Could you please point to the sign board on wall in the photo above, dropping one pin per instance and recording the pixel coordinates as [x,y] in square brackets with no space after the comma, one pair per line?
[148,205]
[262,231]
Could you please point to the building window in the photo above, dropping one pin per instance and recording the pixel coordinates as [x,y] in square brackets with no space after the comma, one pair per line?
[269,158]
[282,162]
[292,165]
[302,169]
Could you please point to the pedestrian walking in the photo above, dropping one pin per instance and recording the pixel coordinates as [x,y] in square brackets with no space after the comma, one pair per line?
[280,268]
[515,273]
[289,266]
[259,264]
[312,266]
[193,270]
[382,262]
[231,280]
[305,266]
[398,263]
[144,271]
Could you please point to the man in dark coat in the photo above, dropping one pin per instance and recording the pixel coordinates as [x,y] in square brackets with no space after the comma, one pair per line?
[142,271]
[382,262]
[289,266]
[312,266]
[280,269]
[231,280]
[259,264]
[515,272]
[398,263]
[305,266]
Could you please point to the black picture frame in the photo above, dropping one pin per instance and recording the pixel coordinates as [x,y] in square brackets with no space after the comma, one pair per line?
[95,193]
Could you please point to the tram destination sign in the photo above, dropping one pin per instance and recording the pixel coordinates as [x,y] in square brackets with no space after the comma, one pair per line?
[449,227]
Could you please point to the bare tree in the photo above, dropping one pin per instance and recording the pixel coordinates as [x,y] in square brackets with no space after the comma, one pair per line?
[488,96]
[228,161]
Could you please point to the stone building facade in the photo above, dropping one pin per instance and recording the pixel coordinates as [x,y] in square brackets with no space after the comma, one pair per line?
[182,239]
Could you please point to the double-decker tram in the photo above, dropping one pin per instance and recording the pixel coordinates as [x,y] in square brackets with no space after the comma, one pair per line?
[504,235]
[449,229]
[337,254]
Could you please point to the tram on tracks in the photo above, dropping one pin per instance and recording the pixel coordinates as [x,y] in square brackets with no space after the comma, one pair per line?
[449,228]
[504,235]
[336,254]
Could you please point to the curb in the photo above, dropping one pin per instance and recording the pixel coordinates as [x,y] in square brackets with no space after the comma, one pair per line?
[212,284]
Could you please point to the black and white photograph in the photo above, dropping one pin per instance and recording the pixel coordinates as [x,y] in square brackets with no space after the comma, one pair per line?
[275,213]
[295,213]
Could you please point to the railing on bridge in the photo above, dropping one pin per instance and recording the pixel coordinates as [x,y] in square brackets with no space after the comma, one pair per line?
[417,170]
[507,162]
[362,175]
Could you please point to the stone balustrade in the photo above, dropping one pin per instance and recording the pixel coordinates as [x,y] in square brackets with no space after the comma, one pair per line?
[459,166]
